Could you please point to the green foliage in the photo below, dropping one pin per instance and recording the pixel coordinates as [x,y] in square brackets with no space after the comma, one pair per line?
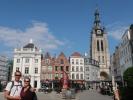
[126,93]
[128,77]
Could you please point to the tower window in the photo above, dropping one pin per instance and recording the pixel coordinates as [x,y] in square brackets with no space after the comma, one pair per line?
[102,45]
[98,48]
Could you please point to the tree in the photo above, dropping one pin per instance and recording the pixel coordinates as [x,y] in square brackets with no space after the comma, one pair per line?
[127,92]
[128,77]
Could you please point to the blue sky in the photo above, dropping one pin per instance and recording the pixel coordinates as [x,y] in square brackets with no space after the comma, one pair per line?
[60,25]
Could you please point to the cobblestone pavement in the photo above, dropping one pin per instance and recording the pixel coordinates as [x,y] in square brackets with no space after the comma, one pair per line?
[42,96]
[85,95]
[92,95]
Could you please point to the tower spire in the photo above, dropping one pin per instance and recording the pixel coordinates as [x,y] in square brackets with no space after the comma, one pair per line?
[97,19]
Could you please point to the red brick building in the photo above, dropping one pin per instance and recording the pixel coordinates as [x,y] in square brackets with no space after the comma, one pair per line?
[61,64]
[47,68]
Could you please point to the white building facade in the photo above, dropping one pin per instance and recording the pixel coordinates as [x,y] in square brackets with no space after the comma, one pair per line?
[115,64]
[92,71]
[3,69]
[125,52]
[77,67]
[122,58]
[28,60]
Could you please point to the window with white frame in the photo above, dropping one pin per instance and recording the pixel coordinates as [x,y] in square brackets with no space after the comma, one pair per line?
[36,70]
[61,75]
[81,61]
[72,68]
[87,68]
[50,76]
[72,61]
[77,76]
[77,61]
[26,70]
[81,76]
[56,75]
[73,76]
[27,60]
[17,68]
[49,68]
[18,60]
[36,60]
[47,61]
[77,68]
[81,68]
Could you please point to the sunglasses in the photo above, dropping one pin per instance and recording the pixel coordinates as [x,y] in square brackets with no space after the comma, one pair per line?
[17,75]
[26,81]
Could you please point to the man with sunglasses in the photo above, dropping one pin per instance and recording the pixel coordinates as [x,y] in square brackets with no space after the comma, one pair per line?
[13,88]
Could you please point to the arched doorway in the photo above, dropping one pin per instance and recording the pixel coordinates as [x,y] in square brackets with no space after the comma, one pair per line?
[104,76]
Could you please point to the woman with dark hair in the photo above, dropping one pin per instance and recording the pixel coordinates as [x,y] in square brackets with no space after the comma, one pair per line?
[27,92]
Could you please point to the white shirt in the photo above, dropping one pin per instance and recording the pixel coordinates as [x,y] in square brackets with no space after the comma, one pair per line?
[16,89]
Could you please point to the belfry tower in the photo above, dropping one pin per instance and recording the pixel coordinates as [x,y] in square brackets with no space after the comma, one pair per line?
[99,47]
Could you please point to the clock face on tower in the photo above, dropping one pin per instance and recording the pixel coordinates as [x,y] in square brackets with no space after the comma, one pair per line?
[99,32]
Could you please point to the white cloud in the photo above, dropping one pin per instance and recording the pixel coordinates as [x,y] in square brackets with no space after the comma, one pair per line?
[116,30]
[38,31]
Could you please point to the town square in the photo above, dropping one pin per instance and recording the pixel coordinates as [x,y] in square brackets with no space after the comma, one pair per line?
[66,50]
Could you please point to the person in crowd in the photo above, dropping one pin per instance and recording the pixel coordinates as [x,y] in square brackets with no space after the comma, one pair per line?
[27,92]
[13,88]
